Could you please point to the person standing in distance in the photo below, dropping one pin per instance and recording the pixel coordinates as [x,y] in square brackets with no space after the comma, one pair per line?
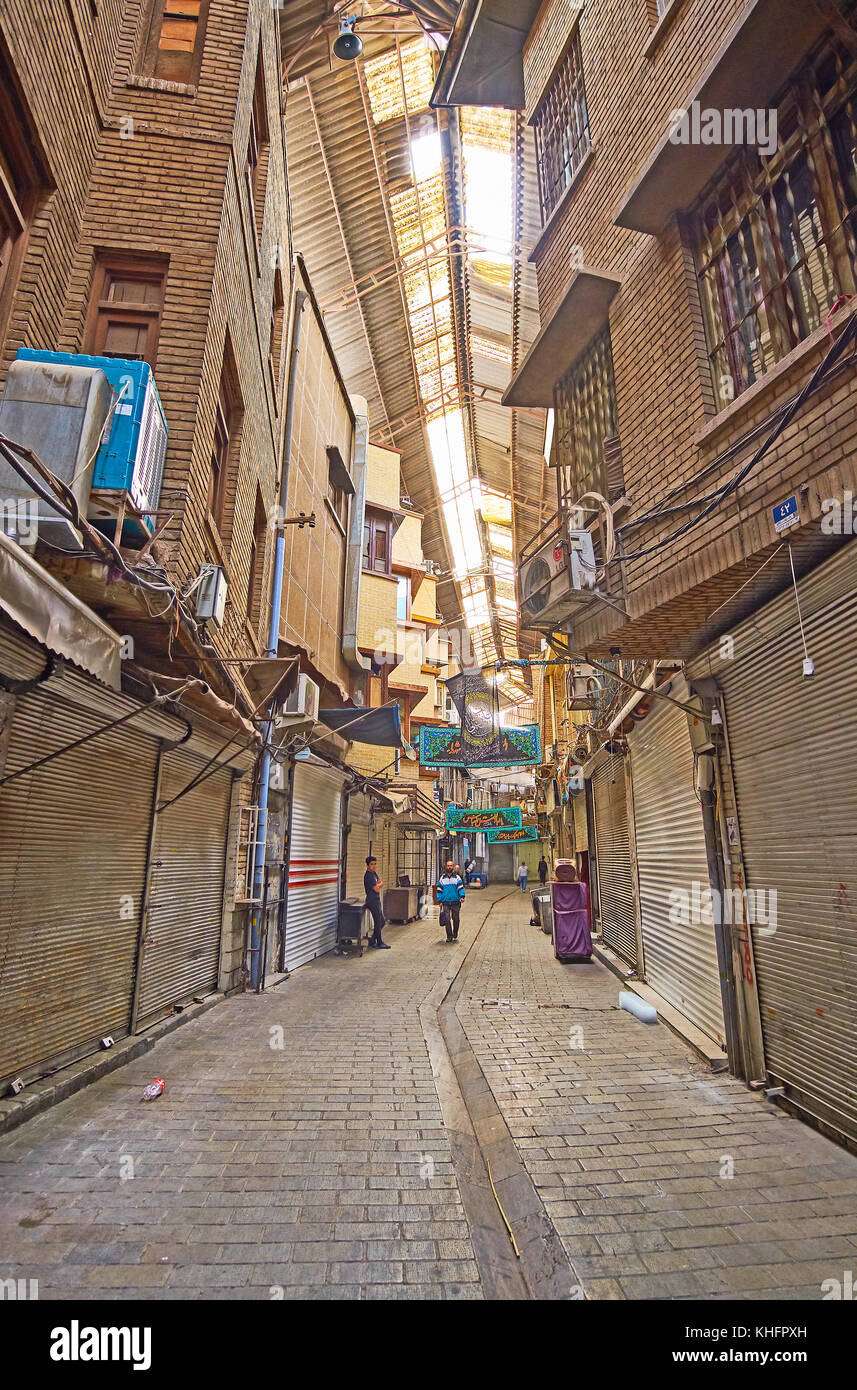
[450,895]
[543,871]
[373,885]
[522,876]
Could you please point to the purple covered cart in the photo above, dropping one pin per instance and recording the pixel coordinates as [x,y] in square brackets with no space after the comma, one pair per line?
[572,940]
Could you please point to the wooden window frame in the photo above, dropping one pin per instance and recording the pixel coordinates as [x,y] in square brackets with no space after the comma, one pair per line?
[759,310]
[256,569]
[24,181]
[377,522]
[258,156]
[228,429]
[151,55]
[143,313]
[278,318]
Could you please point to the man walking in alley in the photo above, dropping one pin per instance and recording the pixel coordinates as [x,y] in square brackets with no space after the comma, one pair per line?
[450,896]
[522,876]
[373,885]
[543,871]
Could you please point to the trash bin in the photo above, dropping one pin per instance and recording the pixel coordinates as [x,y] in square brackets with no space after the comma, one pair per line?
[349,927]
[543,910]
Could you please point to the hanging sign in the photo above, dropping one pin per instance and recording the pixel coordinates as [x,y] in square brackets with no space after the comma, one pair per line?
[512,837]
[512,747]
[496,818]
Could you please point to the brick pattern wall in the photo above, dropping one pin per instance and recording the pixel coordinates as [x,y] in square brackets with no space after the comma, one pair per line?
[545,45]
[383,477]
[667,412]
[315,557]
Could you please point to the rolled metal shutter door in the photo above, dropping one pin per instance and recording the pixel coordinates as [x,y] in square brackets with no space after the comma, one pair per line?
[74,837]
[357,845]
[181,947]
[794,752]
[581,832]
[680,959]
[313,904]
[614,866]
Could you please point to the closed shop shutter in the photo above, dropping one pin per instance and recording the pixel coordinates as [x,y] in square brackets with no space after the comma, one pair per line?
[313,903]
[679,956]
[613,853]
[358,843]
[74,836]
[793,743]
[181,950]
[581,832]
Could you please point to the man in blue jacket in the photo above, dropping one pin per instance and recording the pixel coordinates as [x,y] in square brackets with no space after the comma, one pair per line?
[450,896]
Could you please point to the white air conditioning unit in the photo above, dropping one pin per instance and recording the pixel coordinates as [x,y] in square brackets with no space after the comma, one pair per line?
[300,711]
[210,601]
[556,578]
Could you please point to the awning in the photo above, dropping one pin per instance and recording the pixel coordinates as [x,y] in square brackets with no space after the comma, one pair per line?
[483,64]
[54,616]
[339,472]
[580,315]
[759,52]
[381,727]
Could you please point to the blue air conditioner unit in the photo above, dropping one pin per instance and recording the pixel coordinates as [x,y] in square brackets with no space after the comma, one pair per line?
[129,466]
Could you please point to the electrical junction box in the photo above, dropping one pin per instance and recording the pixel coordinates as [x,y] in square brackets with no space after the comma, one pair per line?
[211,593]
[130,460]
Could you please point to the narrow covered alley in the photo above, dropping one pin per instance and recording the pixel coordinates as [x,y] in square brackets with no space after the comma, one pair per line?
[310,1144]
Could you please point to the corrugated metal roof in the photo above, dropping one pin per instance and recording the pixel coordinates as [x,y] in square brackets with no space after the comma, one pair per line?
[423,316]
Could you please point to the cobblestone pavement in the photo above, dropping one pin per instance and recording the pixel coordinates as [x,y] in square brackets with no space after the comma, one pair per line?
[627,1138]
[314,1160]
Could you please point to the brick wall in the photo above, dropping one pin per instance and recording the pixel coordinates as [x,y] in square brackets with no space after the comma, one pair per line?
[667,414]
[315,558]
[383,477]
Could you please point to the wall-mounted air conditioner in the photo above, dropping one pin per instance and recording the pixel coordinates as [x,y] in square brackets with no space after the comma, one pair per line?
[300,710]
[57,410]
[129,465]
[210,595]
[556,578]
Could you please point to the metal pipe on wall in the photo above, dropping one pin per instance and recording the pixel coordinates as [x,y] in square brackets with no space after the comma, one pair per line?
[300,299]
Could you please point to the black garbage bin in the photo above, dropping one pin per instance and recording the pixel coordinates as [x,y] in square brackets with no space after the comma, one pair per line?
[349,927]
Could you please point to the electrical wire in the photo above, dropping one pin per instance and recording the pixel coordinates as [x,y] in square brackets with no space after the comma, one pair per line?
[721,494]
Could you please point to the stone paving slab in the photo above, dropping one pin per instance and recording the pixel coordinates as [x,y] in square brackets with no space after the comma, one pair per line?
[627,1137]
[299,1151]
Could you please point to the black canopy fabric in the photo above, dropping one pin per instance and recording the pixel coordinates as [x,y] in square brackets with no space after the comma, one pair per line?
[382,727]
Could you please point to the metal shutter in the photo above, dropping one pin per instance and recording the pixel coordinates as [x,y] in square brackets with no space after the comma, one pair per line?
[680,960]
[581,832]
[313,903]
[357,844]
[181,947]
[613,855]
[74,836]
[794,753]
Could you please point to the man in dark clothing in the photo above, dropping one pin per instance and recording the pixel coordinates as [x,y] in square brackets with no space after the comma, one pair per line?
[373,886]
[543,871]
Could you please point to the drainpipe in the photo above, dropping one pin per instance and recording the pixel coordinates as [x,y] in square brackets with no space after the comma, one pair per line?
[273,639]
[354,554]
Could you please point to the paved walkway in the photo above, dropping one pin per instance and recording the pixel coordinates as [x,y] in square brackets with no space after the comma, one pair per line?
[300,1149]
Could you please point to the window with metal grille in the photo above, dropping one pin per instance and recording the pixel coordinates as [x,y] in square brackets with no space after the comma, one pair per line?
[415,855]
[561,126]
[585,418]
[775,235]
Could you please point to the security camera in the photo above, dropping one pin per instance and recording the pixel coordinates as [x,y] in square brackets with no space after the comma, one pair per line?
[348,45]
